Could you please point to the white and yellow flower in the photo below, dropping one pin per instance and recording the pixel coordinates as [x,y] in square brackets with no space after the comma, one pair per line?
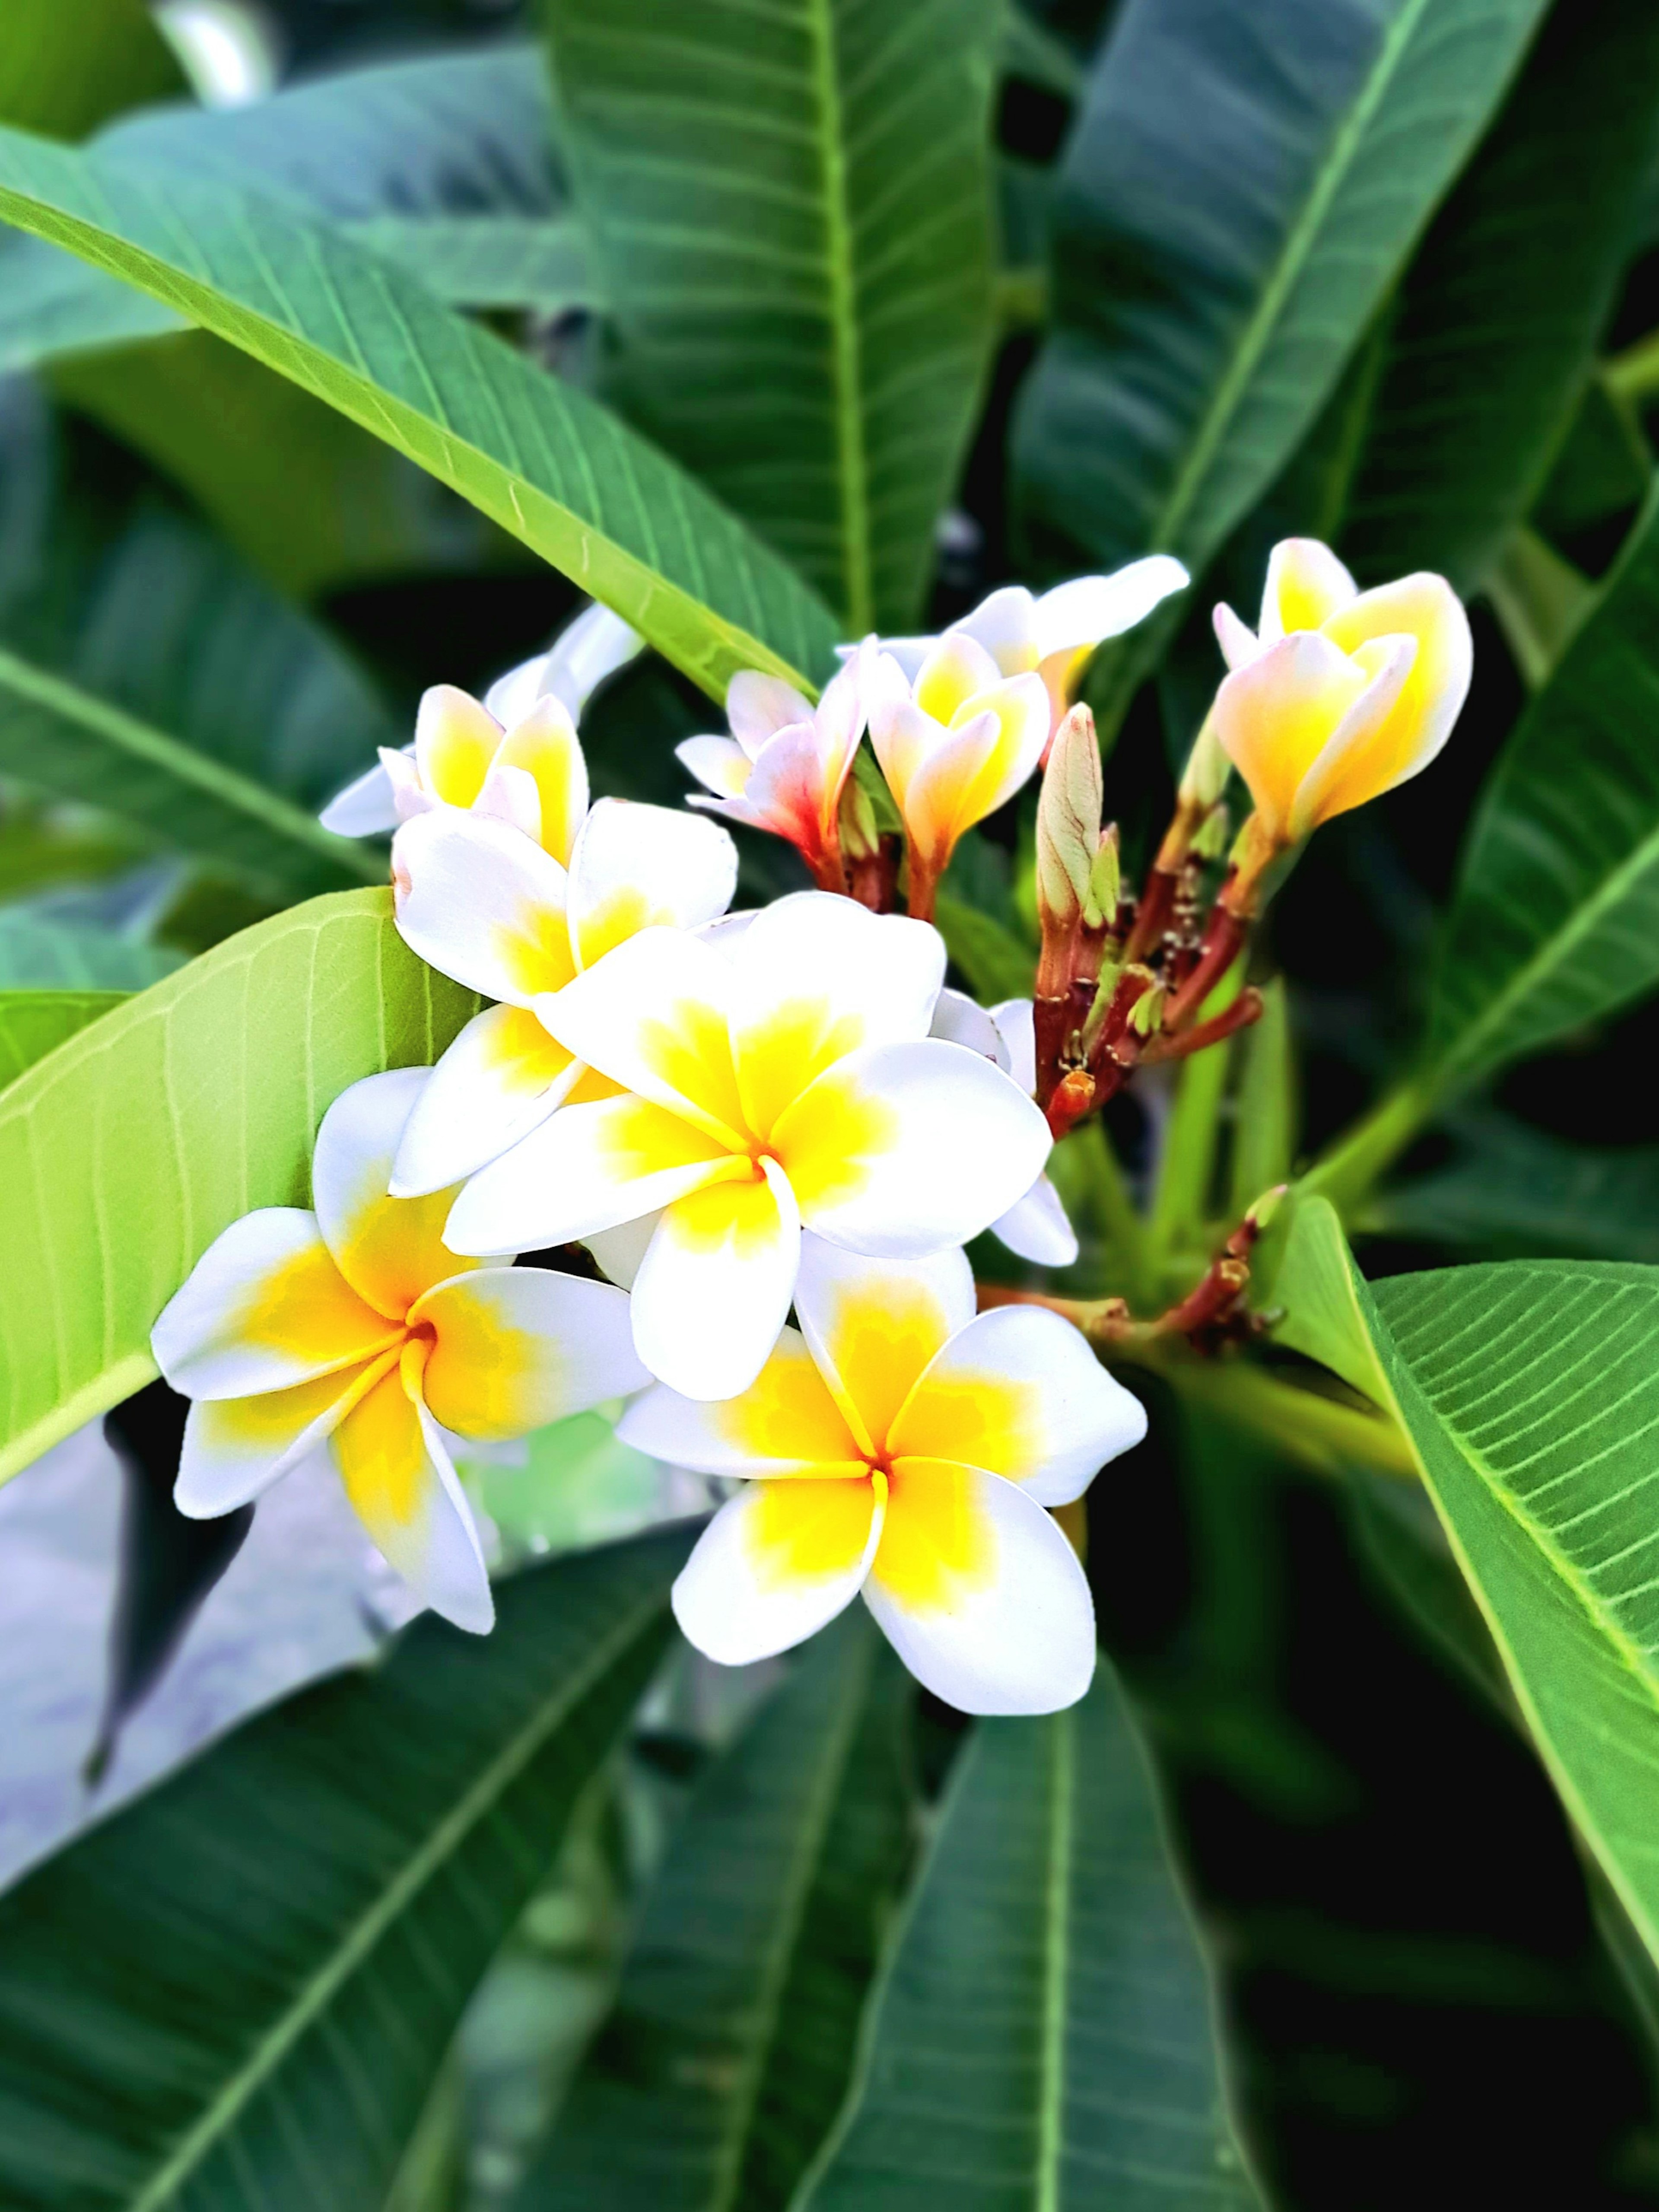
[351,1328]
[480,902]
[902,1447]
[1035,1226]
[785,763]
[514,756]
[1342,693]
[1056,633]
[780,1075]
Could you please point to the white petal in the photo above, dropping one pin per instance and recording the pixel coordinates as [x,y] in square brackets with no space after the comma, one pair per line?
[518,1347]
[958,1019]
[1035,1227]
[1002,1622]
[481,903]
[785,1424]
[235,1448]
[713,1291]
[635,867]
[1238,642]
[1018,1392]
[1305,585]
[500,1079]
[264,1307]
[389,1249]
[720,765]
[1090,608]
[874,1325]
[1015,1022]
[455,741]
[1005,625]
[587,1167]
[587,650]
[510,795]
[511,697]
[364,809]
[748,1590]
[756,705]
[618,1252]
[901,1150]
[727,934]
[906,653]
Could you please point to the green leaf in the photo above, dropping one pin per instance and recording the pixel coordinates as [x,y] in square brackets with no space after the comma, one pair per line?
[1530,1391]
[33,1023]
[791,212]
[713,2082]
[1495,328]
[1604,464]
[540,458]
[994,961]
[124,1154]
[1042,2037]
[1210,282]
[39,953]
[63,69]
[239,1988]
[1555,919]
[1540,600]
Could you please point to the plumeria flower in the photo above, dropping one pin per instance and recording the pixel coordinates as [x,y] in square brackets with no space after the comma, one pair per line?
[781,1076]
[1342,693]
[476,900]
[351,1329]
[1056,633]
[516,756]
[1034,1226]
[785,763]
[902,1447]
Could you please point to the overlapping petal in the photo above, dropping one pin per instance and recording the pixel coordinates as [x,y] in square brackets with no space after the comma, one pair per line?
[786,1423]
[501,1078]
[513,1348]
[714,1289]
[478,901]
[235,1448]
[545,747]
[1276,716]
[776,1563]
[872,1328]
[389,1249]
[640,867]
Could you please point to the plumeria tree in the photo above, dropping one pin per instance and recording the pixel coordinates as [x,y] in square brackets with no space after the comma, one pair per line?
[645,867]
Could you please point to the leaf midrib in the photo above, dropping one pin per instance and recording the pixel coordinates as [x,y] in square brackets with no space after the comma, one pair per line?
[1292,259]
[846,367]
[316,1994]
[1051,2112]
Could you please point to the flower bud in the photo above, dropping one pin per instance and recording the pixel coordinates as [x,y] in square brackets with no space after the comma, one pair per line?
[859,838]
[1147,1012]
[1068,822]
[1205,776]
[1105,882]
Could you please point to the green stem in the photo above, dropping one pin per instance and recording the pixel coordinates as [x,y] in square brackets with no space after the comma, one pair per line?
[1186,1169]
[1345,1173]
[1104,1192]
[1320,1433]
[1634,373]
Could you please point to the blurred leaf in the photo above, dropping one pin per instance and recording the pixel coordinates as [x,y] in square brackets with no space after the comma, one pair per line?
[33,1023]
[37,853]
[1604,464]
[64,68]
[1210,282]
[1407,1547]
[1264,1137]
[1496,325]
[996,963]
[256,1969]
[1530,1391]
[1042,2039]
[537,457]
[1540,600]
[168,1566]
[1555,919]
[713,2082]
[124,1155]
[1030,49]
[790,219]
[39,954]
[1513,1189]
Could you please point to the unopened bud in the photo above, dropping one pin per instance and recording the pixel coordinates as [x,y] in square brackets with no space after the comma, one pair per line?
[1105,882]
[859,838]
[1210,841]
[1068,821]
[1205,776]
[1265,1206]
[1146,1015]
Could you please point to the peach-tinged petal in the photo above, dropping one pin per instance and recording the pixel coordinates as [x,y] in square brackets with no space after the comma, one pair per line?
[398,1476]
[501,1078]
[1021,707]
[1423,607]
[776,1563]
[1274,716]
[544,746]
[587,1167]
[639,867]
[980,1594]
[1006,624]
[1305,585]
[1035,1227]
[786,1423]
[236,1447]
[651,1015]
[714,1289]
[720,765]
[1353,765]
[455,741]
[904,740]
[1018,1392]
[389,1249]
[479,901]
[958,669]
[757,705]
[1238,642]
[791,792]
[263,1309]
[366,808]
[901,1150]
[514,1348]
[873,1326]
[815,978]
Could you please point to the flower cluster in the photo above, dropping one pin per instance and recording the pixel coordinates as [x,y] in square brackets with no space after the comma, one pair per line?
[776,1132]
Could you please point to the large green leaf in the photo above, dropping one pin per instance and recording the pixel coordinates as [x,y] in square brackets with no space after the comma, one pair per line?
[1042,2039]
[540,458]
[791,211]
[713,2082]
[33,1023]
[63,69]
[124,1153]
[1242,188]
[1530,1393]
[1493,333]
[40,952]
[237,1991]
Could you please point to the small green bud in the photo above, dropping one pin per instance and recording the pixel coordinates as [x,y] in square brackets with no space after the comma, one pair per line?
[1210,842]
[1105,882]
[1068,821]
[1205,776]
[1146,1015]
[856,822]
